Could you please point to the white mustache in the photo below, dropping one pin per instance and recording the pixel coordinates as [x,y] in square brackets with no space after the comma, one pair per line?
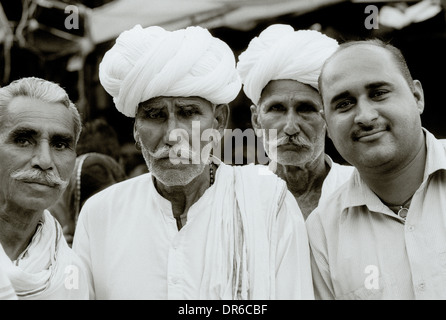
[296,140]
[176,151]
[49,178]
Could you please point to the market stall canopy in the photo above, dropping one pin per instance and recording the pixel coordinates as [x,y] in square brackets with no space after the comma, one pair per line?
[108,21]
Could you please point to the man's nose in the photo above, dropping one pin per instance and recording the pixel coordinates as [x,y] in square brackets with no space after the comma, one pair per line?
[173,132]
[42,157]
[366,113]
[291,123]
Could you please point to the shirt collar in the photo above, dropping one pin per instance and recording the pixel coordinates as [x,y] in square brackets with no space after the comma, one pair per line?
[436,155]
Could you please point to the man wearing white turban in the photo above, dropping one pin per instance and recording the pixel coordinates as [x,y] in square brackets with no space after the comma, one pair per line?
[200,230]
[279,71]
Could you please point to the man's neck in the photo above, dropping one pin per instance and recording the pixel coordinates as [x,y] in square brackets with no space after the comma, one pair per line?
[17,227]
[183,197]
[305,182]
[397,186]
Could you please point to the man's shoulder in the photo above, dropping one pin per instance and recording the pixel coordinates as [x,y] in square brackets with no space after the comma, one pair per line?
[123,188]
[330,210]
[117,197]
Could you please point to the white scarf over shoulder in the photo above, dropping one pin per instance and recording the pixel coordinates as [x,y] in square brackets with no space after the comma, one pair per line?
[43,270]
[6,290]
[241,242]
[280,53]
[151,62]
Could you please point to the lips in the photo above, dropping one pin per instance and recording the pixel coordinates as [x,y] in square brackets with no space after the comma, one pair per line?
[39,182]
[369,135]
[291,146]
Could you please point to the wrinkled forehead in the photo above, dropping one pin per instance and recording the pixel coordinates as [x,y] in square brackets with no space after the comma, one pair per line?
[285,90]
[33,112]
[162,102]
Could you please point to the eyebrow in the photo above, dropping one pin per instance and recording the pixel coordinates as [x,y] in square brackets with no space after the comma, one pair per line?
[23,132]
[67,138]
[278,100]
[370,86]
[340,96]
[380,84]
[27,132]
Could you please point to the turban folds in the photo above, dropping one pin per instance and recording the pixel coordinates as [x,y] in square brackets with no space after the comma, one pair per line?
[151,62]
[280,53]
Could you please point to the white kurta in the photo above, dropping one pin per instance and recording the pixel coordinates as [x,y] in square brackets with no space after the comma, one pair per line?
[128,239]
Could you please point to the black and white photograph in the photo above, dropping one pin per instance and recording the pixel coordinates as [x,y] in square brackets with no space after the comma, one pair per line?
[223,155]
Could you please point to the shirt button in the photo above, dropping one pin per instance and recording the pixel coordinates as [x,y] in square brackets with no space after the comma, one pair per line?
[421,286]
[410,228]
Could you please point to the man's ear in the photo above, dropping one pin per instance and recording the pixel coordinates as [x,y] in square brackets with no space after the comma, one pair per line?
[419,95]
[221,116]
[255,120]
[135,132]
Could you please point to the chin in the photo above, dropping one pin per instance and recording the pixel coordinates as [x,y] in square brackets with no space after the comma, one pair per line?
[181,176]
[293,158]
[376,162]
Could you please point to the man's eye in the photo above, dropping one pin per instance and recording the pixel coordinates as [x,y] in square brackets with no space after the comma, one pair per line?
[344,105]
[61,145]
[378,93]
[276,108]
[306,107]
[189,112]
[153,114]
[23,142]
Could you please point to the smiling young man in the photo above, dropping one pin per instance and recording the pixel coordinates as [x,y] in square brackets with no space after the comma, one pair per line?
[383,234]
[39,129]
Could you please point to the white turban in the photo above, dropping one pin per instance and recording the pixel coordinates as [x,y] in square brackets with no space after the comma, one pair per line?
[280,53]
[152,62]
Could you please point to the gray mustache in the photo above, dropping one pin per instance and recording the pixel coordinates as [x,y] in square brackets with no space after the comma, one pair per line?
[43,177]
[166,152]
[296,140]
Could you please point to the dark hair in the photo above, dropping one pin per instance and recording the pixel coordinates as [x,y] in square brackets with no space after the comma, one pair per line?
[99,136]
[396,54]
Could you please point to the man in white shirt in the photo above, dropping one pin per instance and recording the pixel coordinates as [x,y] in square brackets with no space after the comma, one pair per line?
[280,71]
[39,129]
[192,228]
[382,235]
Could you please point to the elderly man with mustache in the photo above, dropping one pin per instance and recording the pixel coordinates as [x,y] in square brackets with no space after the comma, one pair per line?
[280,71]
[382,235]
[39,130]
[192,228]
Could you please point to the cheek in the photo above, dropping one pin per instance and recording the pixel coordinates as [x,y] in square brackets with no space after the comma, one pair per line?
[336,129]
[315,126]
[271,122]
[150,137]
[65,164]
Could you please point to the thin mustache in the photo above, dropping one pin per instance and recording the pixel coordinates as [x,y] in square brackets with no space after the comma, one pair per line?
[358,133]
[43,177]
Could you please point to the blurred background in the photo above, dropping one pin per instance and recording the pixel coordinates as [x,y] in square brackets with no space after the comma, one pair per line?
[64,41]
